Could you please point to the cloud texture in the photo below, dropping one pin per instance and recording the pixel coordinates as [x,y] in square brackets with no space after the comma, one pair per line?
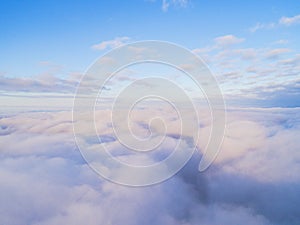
[255,179]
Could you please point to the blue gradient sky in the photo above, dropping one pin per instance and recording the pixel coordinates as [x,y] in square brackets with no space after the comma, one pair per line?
[56,37]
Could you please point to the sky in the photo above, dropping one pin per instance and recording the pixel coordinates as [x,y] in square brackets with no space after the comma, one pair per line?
[251,47]
[63,33]
[51,169]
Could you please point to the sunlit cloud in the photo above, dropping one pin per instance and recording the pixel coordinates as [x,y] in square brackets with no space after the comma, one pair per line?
[254,157]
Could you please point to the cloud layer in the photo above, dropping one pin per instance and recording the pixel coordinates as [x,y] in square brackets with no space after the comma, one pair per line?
[254,180]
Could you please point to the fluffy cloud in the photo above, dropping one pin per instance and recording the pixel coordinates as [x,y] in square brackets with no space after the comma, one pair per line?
[255,179]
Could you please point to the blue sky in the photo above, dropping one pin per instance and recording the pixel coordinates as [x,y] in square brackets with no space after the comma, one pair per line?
[57,38]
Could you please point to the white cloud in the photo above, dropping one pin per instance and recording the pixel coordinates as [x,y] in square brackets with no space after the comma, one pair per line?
[43,83]
[252,71]
[274,53]
[177,3]
[255,179]
[290,20]
[281,42]
[165,5]
[228,40]
[260,26]
[118,41]
[247,53]
[284,21]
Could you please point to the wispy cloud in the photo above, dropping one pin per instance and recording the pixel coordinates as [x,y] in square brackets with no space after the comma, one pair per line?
[260,26]
[283,21]
[290,20]
[220,42]
[228,40]
[281,42]
[275,53]
[42,83]
[177,3]
[265,76]
[118,41]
